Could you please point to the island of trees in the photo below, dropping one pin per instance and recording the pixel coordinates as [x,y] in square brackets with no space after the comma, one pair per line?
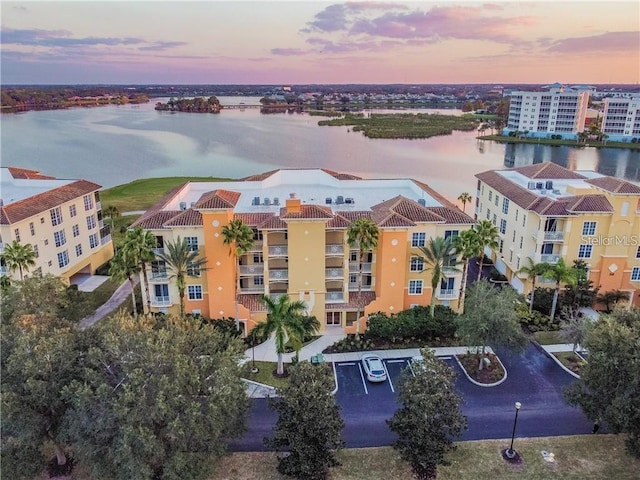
[193,105]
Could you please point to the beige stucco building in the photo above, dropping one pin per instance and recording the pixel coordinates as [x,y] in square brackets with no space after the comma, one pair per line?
[61,219]
[300,220]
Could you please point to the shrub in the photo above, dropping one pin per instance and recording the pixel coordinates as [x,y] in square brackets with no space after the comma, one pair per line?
[535,321]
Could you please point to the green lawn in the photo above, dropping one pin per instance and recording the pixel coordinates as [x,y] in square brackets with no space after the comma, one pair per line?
[570,360]
[141,194]
[577,458]
[265,374]
[548,338]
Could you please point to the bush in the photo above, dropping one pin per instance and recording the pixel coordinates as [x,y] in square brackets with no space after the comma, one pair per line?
[535,321]
[413,323]
[496,276]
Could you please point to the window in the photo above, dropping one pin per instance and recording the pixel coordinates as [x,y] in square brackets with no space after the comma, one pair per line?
[353,256]
[417,264]
[91,222]
[193,243]
[32,229]
[505,207]
[63,259]
[451,234]
[524,220]
[193,270]
[497,200]
[500,245]
[503,226]
[257,258]
[16,233]
[516,212]
[353,278]
[589,228]
[490,194]
[624,211]
[521,241]
[584,251]
[635,274]
[258,281]
[41,219]
[488,214]
[257,234]
[195,292]
[495,219]
[56,216]
[78,250]
[88,202]
[59,238]
[513,237]
[72,211]
[415,287]
[93,240]
[76,230]
[447,284]
[35,250]
[638,252]
[418,239]
[46,242]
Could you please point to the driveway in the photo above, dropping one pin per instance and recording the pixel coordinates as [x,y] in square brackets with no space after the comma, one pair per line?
[533,379]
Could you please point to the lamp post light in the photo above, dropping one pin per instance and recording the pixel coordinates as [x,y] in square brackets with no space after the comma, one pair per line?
[511,453]
[254,369]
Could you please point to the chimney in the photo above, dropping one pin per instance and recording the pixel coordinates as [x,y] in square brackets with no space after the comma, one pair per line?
[293,203]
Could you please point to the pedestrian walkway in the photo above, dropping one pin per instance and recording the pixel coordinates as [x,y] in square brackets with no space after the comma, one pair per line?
[122,293]
[561,347]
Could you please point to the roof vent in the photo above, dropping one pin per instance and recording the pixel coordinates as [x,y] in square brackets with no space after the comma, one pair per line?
[531,185]
[348,200]
[328,201]
[183,205]
[422,202]
[193,204]
[276,201]
[557,192]
[339,199]
[255,201]
[543,192]
[266,201]
[548,185]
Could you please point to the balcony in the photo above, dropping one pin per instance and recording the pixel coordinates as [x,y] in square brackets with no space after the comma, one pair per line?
[1,247]
[554,236]
[252,290]
[159,251]
[159,275]
[164,301]
[257,246]
[353,287]
[333,273]
[4,271]
[278,275]
[104,240]
[334,297]
[354,267]
[334,249]
[447,293]
[255,269]
[550,257]
[278,251]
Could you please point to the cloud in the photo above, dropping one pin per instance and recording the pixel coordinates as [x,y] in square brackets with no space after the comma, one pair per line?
[160,46]
[607,42]
[337,17]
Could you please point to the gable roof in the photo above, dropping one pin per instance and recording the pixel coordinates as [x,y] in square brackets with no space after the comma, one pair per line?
[549,170]
[218,199]
[589,203]
[186,218]
[24,173]
[615,185]
[155,220]
[308,212]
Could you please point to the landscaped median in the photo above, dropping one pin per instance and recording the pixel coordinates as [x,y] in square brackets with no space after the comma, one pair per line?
[482,369]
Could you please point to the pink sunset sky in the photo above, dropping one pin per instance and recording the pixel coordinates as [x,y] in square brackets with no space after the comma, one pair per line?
[301,42]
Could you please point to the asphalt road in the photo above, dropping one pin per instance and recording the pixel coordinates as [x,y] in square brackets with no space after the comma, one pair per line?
[533,379]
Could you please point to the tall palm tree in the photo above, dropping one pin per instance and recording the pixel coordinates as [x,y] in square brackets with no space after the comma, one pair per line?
[139,244]
[364,233]
[181,260]
[465,248]
[19,256]
[611,298]
[112,212]
[124,267]
[533,271]
[239,237]
[284,321]
[486,236]
[465,198]
[439,257]
[560,273]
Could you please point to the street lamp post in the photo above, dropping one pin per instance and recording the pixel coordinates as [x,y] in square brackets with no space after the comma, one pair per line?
[511,453]
[253,354]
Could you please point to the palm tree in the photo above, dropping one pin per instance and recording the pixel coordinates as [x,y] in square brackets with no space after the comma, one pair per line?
[533,271]
[465,248]
[560,273]
[284,321]
[611,298]
[139,244]
[438,255]
[486,236]
[112,212]
[465,198]
[124,267]
[239,237]
[364,233]
[181,260]
[19,256]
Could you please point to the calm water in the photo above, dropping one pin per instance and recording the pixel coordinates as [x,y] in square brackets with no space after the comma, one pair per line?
[116,144]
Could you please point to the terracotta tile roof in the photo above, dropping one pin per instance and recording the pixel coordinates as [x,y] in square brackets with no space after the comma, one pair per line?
[550,207]
[615,185]
[452,215]
[24,173]
[367,298]
[548,170]
[252,302]
[589,203]
[388,213]
[44,201]
[443,201]
[156,220]
[308,212]
[259,176]
[252,219]
[341,176]
[390,219]
[338,222]
[352,216]
[514,192]
[273,223]
[218,199]
[160,204]
[187,218]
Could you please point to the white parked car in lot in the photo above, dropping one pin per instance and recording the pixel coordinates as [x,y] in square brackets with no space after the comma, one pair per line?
[374,368]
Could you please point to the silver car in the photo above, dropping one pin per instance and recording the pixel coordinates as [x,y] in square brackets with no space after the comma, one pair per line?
[374,368]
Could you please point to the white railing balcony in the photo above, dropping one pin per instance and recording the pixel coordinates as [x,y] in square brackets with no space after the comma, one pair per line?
[159,275]
[98,205]
[158,250]
[554,236]
[1,247]
[333,273]
[255,269]
[447,293]
[253,289]
[278,251]
[550,257]
[106,239]
[164,301]
[4,271]
[276,296]
[334,249]
[280,274]
[353,287]
[257,246]
[354,267]
[334,297]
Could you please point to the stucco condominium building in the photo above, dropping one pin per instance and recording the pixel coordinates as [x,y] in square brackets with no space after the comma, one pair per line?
[559,111]
[621,120]
[61,219]
[546,212]
[300,220]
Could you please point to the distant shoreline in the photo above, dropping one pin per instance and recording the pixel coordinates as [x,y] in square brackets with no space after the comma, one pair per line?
[557,143]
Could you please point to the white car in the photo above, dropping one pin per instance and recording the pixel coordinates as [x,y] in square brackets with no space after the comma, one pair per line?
[374,368]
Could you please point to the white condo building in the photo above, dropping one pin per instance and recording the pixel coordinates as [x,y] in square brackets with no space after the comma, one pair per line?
[621,121]
[559,111]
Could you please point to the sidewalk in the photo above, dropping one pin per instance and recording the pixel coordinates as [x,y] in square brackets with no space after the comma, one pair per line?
[122,294]
[561,347]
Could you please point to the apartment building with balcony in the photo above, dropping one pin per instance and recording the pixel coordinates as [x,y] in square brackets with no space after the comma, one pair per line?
[61,219]
[546,212]
[559,111]
[300,220]
[621,118]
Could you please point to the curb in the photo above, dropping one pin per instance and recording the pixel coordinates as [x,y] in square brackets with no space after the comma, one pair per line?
[261,385]
[555,359]
[335,378]
[486,385]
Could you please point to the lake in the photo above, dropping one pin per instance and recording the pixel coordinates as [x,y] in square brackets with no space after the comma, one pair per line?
[112,145]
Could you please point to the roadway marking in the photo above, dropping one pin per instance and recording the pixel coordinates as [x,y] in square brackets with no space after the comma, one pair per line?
[389,376]
[364,383]
[344,364]
[446,358]
[396,361]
